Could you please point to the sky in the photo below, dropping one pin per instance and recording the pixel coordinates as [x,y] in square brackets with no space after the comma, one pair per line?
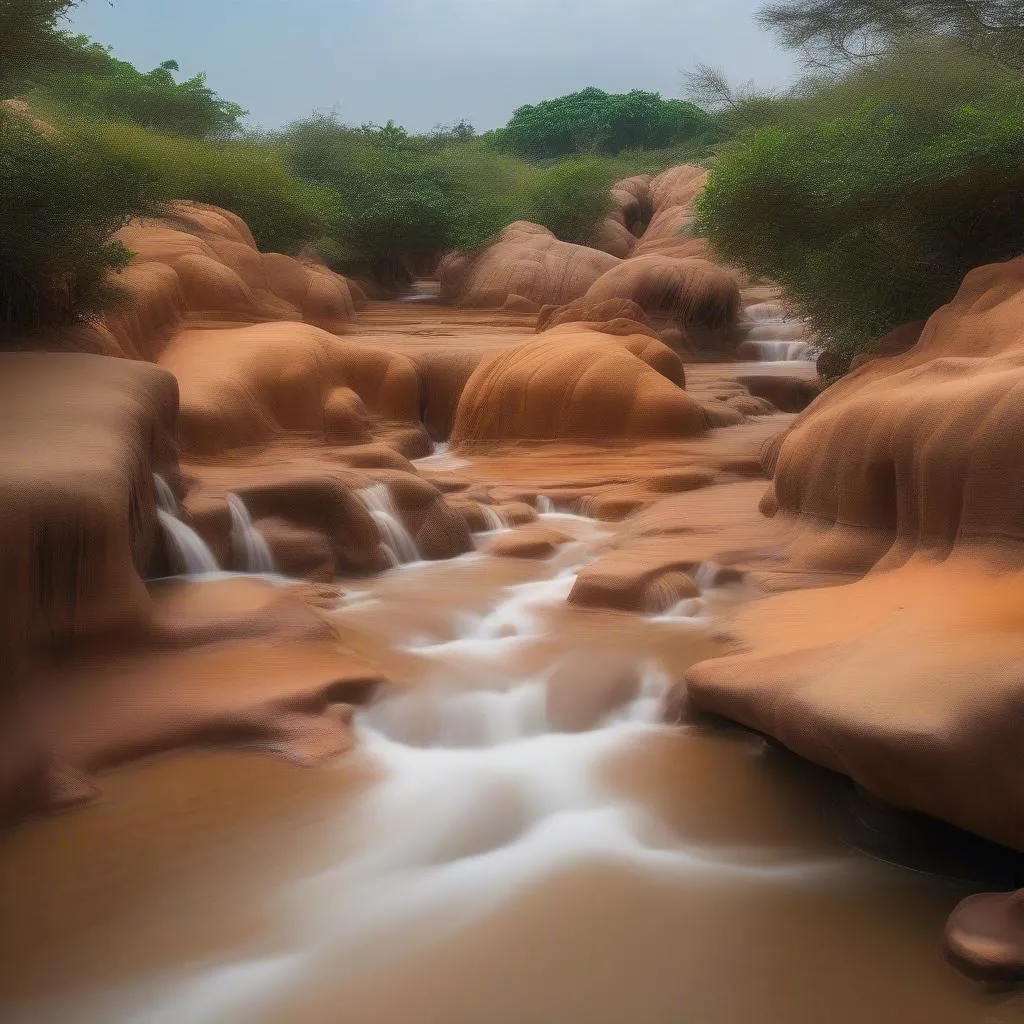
[427,62]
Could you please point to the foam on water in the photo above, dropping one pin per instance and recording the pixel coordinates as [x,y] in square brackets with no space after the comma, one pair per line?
[784,351]
[478,806]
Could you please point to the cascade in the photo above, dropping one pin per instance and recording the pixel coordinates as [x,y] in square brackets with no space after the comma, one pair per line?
[247,541]
[395,538]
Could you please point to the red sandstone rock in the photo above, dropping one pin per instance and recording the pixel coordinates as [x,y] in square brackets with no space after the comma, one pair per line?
[525,260]
[574,385]
[533,541]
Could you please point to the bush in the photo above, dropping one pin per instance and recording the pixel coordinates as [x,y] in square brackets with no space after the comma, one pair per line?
[402,201]
[878,193]
[55,248]
[593,122]
[100,86]
[32,43]
[248,178]
[571,198]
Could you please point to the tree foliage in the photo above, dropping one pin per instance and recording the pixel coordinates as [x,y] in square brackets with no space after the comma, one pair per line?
[64,203]
[401,201]
[873,195]
[571,198]
[249,178]
[30,41]
[595,122]
[845,30]
[97,84]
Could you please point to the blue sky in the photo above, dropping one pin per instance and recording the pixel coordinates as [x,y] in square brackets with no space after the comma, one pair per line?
[425,62]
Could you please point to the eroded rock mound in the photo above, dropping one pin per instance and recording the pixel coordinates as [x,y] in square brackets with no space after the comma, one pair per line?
[527,261]
[917,449]
[81,437]
[701,299]
[200,264]
[909,680]
[666,272]
[247,385]
[613,316]
[574,385]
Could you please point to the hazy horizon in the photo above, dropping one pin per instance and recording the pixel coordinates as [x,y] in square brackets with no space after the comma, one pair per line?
[428,62]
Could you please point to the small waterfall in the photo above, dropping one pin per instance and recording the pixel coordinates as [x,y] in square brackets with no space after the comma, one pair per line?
[544,505]
[247,541]
[165,498]
[395,538]
[783,351]
[493,519]
[189,553]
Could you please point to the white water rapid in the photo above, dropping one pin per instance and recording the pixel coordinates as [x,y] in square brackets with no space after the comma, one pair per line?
[250,547]
[395,538]
[516,839]
[188,551]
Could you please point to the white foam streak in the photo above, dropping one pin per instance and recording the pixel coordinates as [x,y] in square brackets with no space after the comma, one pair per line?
[784,351]
[396,540]
[250,548]
[189,553]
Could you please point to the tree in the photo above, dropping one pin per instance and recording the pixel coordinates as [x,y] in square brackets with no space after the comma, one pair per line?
[55,249]
[877,191]
[101,86]
[856,30]
[592,121]
[401,200]
[30,41]
[571,198]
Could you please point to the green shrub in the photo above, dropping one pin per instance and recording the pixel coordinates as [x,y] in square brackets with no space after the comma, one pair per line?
[64,203]
[595,122]
[571,198]
[401,201]
[248,178]
[100,86]
[31,42]
[877,194]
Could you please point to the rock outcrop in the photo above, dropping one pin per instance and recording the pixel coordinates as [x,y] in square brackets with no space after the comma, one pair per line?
[199,264]
[526,260]
[580,385]
[247,385]
[909,681]
[666,271]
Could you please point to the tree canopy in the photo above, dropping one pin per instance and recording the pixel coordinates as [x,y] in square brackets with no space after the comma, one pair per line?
[595,122]
[873,193]
[31,42]
[101,86]
[830,30]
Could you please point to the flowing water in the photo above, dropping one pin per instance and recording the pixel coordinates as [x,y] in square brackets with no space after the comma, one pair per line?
[395,538]
[493,519]
[165,499]
[188,551]
[518,839]
[784,351]
[249,546]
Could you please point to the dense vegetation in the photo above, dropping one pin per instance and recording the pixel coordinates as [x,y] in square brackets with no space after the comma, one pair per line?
[103,87]
[55,248]
[595,122]
[32,44]
[869,192]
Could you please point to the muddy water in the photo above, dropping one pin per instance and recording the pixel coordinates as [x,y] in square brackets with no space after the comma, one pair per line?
[517,840]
